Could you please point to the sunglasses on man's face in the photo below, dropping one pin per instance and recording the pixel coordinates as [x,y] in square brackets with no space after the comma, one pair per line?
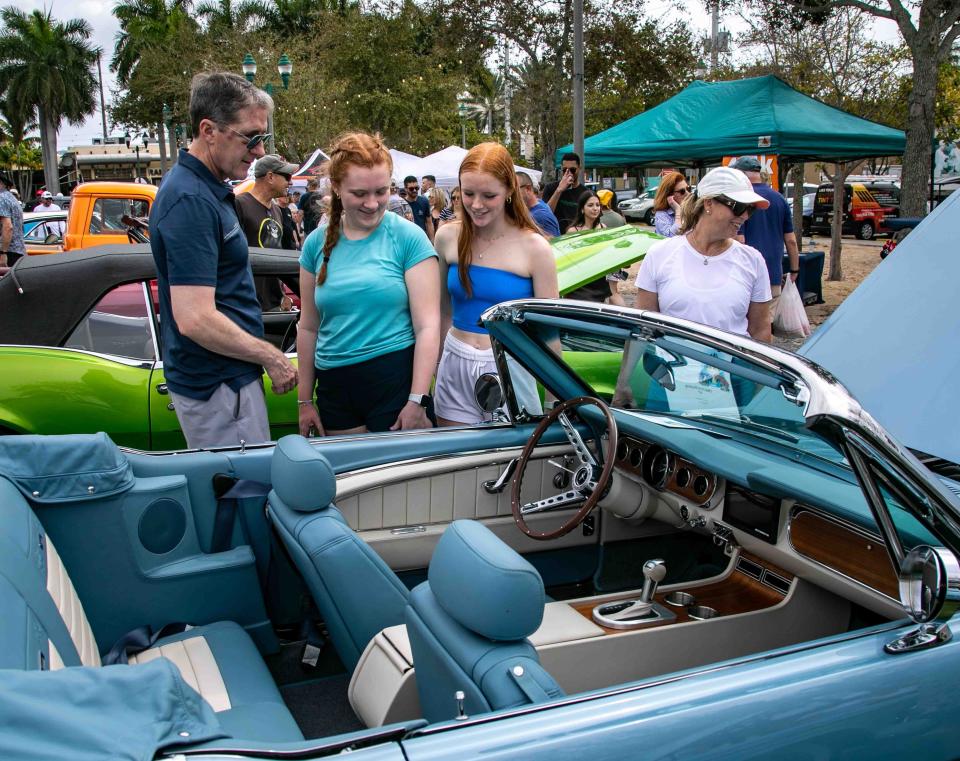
[252,140]
[737,207]
[411,188]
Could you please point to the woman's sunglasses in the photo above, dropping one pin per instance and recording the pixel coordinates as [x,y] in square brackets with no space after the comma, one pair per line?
[737,207]
[680,191]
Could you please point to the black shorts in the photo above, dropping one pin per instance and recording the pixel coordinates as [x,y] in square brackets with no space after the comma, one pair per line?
[369,393]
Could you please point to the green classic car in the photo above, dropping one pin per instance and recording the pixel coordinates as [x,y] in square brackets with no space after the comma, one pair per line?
[80,339]
[80,352]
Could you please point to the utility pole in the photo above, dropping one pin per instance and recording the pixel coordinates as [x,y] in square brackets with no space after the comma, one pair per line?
[103,106]
[506,89]
[578,78]
[714,35]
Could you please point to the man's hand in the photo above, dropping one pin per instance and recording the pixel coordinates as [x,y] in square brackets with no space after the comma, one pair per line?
[282,373]
[411,416]
[3,259]
[566,180]
[793,276]
[310,421]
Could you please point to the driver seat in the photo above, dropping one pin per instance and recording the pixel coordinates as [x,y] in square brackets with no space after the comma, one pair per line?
[468,626]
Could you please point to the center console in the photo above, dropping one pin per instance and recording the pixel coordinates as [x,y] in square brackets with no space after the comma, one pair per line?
[752,607]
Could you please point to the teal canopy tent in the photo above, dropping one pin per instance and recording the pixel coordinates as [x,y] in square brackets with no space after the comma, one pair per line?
[709,120]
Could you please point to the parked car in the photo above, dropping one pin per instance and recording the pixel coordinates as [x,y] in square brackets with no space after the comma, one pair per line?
[87,331]
[87,326]
[740,563]
[43,231]
[808,201]
[863,215]
[640,209]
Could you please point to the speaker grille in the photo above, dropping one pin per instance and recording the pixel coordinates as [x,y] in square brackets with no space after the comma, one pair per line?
[162,526]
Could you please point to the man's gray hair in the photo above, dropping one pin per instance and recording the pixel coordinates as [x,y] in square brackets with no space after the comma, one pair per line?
[220,97]
[533,183]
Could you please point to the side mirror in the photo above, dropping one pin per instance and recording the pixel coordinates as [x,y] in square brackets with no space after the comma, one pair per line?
[930,594]
[660,370]
[488,392]
[51,239]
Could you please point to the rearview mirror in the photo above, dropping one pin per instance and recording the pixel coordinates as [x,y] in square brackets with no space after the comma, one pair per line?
[660,370]
[925,582]
[51,239]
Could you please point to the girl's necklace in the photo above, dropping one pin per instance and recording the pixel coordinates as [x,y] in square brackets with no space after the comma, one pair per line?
[489,243]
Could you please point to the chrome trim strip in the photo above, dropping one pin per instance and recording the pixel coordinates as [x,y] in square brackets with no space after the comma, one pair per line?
[152,318]
[853,528]
[145,364]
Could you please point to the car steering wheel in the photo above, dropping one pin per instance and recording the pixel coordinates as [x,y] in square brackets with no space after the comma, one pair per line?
[588,481]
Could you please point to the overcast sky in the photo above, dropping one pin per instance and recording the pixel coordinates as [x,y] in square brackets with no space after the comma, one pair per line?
[99,14]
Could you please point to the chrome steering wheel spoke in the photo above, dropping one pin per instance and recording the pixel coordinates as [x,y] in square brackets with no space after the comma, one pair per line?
[573,435]
[570,498]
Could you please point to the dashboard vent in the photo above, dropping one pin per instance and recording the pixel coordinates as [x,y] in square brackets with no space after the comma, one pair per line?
[776,581]
[747,566]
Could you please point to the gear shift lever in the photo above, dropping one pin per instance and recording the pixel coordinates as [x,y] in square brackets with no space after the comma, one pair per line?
[654,572]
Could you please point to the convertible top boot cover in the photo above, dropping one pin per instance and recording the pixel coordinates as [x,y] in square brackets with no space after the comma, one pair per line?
[89,714]
[468,626]
[68,468]
[354,589]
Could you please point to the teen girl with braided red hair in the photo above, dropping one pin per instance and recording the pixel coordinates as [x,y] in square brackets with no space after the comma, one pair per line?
[369,330]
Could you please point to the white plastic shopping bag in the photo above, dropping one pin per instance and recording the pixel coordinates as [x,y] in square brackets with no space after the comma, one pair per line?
[789,316]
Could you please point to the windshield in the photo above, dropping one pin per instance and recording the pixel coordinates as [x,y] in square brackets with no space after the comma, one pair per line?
[682,378]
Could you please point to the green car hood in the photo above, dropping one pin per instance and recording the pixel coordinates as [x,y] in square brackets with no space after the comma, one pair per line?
[583,257]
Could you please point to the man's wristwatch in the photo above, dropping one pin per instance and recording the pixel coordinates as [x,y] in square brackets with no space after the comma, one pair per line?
[422,399]
[794,272]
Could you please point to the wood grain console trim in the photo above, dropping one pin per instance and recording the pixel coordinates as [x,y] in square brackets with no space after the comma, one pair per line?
[738,593]
[852,552]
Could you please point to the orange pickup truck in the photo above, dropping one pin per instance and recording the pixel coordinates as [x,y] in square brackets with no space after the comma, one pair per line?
[96,216]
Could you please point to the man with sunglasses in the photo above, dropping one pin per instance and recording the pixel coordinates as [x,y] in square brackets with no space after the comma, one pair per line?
[771,230]
[214,354]
[259,216]
[419,205]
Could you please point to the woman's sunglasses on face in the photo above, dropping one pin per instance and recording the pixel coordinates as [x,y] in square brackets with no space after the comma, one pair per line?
[737,207]
[680,191]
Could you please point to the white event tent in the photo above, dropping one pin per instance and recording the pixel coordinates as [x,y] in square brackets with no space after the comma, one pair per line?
[445,166]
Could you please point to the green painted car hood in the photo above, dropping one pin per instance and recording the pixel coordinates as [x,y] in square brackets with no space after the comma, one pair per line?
[583,257]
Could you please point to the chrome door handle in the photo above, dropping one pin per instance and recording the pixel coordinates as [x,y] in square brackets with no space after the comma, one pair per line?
[162,388]
[498,485]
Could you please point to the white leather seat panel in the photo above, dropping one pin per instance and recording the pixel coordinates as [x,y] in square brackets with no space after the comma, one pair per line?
[65,598]
[197,665]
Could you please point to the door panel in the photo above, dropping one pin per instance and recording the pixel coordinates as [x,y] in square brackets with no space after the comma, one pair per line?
[401,510]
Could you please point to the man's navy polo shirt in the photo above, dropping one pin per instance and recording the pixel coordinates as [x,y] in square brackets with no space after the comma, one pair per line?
[766,228]
[196,239]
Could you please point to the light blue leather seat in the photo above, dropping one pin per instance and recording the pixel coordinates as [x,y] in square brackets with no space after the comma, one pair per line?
[356,592]
[468,626]
[43,626]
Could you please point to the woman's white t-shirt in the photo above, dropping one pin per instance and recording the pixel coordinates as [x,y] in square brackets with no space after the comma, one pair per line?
[717,293]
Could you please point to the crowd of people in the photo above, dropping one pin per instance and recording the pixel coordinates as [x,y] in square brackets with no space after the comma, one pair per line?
[394,278]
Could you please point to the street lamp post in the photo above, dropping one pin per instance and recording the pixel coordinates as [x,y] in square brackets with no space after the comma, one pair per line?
[168,126]
[285,69]
[462,110]
[137,142]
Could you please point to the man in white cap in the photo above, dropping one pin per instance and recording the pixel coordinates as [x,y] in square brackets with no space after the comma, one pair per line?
[46,202]
[704,273]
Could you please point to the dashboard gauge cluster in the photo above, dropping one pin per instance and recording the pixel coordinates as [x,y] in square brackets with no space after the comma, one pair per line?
[666,471]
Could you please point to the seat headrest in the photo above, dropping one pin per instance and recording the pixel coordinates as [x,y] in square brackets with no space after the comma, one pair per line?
[484,585]
[301,476]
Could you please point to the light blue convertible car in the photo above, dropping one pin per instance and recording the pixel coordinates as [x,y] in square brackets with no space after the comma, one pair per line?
[720,555]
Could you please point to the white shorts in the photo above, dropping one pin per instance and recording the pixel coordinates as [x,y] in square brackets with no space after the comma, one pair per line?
[460,367]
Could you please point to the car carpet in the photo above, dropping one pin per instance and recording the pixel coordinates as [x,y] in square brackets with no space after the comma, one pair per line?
[315,695]
[688,557]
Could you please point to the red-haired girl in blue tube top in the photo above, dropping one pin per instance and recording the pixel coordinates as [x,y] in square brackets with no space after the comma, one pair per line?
[496,253]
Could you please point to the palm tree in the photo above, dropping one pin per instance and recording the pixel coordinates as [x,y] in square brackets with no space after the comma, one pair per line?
[14,126]
[47,66]
[144,24]
[484,100]
[289,17]
[227,14]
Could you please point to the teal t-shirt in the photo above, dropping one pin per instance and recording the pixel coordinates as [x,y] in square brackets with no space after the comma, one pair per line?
[363,304]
